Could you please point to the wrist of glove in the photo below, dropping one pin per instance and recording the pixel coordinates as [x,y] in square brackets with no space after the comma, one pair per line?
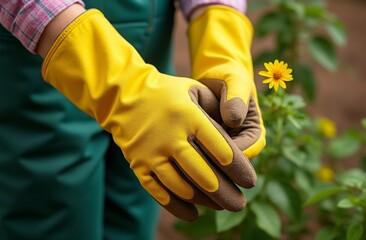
[181,156]
[220,40]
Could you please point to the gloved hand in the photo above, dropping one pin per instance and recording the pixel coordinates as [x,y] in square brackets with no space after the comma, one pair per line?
[220,40]
[179,154]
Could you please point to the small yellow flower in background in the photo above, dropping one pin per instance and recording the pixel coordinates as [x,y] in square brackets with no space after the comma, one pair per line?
[327,127]
[277,74]
[325,174]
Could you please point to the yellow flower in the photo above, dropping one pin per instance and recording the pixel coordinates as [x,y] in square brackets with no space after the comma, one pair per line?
[277,74]
[325,174]
[327,127]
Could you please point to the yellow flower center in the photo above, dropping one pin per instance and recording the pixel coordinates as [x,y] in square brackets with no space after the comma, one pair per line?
[277,75]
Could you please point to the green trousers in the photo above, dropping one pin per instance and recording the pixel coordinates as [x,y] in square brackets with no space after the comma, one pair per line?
[61,175]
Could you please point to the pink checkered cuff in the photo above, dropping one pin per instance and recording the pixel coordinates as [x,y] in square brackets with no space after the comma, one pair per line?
[26,20]
[189,5]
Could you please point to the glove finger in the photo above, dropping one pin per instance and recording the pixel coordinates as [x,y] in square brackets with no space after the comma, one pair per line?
[250,136]
[233,111]
[208,178]
[239,170]
[208,101]
[213,140]
[179,208]
[175,182]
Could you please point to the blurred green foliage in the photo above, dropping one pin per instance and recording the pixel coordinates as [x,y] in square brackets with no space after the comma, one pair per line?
[303,188]
[301,30]
[295,190]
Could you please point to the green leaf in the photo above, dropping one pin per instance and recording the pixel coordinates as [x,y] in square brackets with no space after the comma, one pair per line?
[264,57]
[322,194]
[319,3]
[363,162]
[326,233]
[267,218]
[345,203]
[303,73]
[270,22]
[204,226]
[363,123]
[294,155]
[353,183]
[354,232]
[286,38]
[294,122]
[226,220]
[297,7]
[337,32]
[354,178]
[323,52]
[257,5]
[344,146]
[293,101]
[251,231]
[314,11]
[285,198]
[303,180]
[313,162]
[254,191]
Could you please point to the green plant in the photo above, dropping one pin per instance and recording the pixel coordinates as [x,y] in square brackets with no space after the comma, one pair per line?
[303,187]
[340,201]
[294,189]
[291,153]
[341,206]
[300,29]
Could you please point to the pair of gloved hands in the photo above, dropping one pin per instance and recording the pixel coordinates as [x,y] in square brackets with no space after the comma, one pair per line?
[183,151]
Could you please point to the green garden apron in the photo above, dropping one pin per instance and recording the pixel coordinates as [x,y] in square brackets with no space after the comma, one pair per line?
[61,176]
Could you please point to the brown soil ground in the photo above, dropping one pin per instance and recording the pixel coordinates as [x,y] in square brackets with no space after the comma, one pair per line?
[341,95]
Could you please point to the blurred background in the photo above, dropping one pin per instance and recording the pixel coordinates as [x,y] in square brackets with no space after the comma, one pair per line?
[338,93]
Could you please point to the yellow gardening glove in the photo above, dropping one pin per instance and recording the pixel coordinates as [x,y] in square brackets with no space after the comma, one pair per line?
[220,40]
[178,153]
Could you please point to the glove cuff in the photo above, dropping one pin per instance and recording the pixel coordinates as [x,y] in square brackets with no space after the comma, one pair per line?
[220,41]
[88,52]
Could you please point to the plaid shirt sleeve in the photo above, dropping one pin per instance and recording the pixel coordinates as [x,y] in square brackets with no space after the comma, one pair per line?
[188,6]
[26,19]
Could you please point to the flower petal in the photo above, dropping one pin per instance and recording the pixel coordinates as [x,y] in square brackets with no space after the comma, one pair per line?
[287,79]
[287,71]
[268,80]
[269,66]
[282,84]
[271,84]
[265,74]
